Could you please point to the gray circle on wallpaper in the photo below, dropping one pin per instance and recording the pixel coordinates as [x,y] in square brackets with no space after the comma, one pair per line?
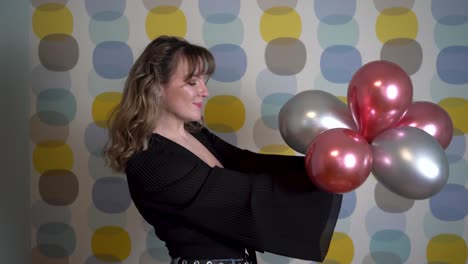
[267,4]
[37,3]
[40,131]
[391,202]
[43,213]
[285,56]
[150,4]
[385,4]
[43,79]
[58,187]
[58,52]
[405,52]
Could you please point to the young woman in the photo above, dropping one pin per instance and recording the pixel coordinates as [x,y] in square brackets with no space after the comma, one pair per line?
[208,200]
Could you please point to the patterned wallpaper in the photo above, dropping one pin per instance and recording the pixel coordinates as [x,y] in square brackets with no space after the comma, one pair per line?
[266,52]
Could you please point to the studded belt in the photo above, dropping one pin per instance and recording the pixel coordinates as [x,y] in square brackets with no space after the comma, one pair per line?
[211,261]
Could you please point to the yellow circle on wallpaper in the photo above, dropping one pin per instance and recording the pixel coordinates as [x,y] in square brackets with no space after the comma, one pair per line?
[224,113]
[51,19]
[165,20]
[111,244]
[396,23]
[280,22]
[447,248]
[103,105]
[341,249]
[277,149]
[457,108]
[52,155]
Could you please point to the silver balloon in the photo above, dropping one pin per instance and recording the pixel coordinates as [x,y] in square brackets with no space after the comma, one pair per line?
[409,162]
[309,113]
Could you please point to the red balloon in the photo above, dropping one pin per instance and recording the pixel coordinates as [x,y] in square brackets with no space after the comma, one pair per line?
[431,118]
[378,95]
[338,160]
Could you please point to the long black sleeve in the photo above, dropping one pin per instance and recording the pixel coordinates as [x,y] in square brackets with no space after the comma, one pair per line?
[255,209]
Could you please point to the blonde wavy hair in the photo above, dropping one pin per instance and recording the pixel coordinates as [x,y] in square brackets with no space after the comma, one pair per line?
[132,122]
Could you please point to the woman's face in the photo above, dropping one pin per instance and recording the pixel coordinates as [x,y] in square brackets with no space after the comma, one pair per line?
[183,99]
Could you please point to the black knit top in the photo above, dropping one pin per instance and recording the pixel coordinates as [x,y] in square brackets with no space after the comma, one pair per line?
[259,201]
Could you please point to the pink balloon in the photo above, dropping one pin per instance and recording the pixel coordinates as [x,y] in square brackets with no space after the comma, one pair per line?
[431,118]
[378,95]
[338,160]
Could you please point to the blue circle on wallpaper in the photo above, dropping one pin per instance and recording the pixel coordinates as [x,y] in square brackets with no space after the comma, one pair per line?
[450,12]
[390,246]
[112,59]
[377,220]
[98,85]
[111,195]
[231,62]
[451,64]
[95,139]
[215,34]
[56,106]
[450,35]
[339,63]
[343,34]
[230,137]
[56,240]
[458,173]
[268,83]
[334,12]
[116,30]
[348,205]
[219,11]
[157,248]
[456,149]
[443,207]
[271,106]
[105,10]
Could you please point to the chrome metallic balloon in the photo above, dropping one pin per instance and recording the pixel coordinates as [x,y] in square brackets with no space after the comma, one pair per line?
[409,162]
[310,113]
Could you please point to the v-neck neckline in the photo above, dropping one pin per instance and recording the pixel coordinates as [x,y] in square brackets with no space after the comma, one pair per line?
[199,137]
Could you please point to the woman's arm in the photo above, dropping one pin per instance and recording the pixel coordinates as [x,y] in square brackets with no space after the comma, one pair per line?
[290,170]
[255,210]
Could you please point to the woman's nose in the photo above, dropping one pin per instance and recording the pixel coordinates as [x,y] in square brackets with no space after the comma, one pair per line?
[203,90]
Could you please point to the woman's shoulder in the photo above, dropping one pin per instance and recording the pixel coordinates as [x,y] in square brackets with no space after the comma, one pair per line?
[163,161]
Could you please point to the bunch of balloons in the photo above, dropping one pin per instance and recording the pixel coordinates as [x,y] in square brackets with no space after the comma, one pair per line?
[381,130]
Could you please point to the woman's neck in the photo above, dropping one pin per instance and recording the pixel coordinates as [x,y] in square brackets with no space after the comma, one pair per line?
[171,128]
